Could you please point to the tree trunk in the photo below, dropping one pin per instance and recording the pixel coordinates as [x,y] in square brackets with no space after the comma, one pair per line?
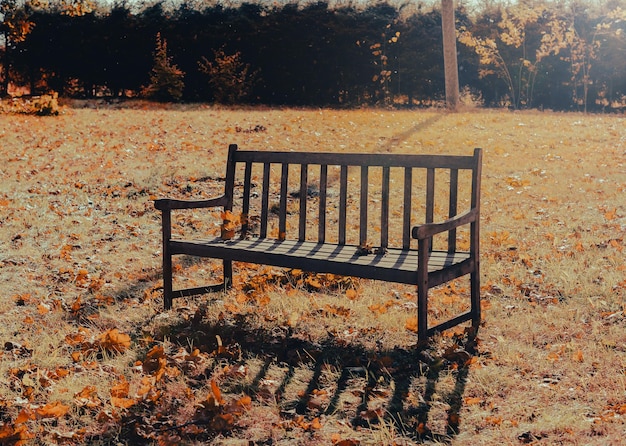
[449,54]
[4,85]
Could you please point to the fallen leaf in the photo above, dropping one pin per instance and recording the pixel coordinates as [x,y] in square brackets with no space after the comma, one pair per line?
[53,410]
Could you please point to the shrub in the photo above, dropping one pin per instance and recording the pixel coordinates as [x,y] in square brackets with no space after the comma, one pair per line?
[166,79]
[47,105]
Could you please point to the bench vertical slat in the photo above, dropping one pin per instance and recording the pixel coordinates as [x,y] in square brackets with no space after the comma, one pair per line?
[363,203]
[245,208]
[282,213]
[430,195]
[321,228]
[265,193]
[406,218]
[343,195]
[452,208]
[384,209]
[304,171]
[430,198]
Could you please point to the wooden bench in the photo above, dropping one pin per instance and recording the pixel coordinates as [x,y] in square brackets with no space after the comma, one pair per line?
[319,212]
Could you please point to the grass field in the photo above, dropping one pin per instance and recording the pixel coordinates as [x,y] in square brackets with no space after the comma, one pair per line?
[89,356]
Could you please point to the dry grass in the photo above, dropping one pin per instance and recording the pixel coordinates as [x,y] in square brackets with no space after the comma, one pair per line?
[80,258]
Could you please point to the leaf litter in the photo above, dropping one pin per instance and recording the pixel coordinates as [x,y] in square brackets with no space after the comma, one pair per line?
[289,356]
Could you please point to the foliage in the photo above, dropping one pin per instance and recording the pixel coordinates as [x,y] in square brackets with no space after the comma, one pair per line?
[231,80]
[44,105]
[518,65]
[320,53]
[166,79]
[47,105]
[581,49]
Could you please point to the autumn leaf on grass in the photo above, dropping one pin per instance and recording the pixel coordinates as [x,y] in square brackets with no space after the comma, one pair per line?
[472,400]
[610,214]
[24,416]
[53,410]
[306,425]
[217,393]
[15,435]
[411,324]
[351,293]
[313,282]
[155,362]
[337,441]
[88,397]
[119,395]
[113,341]
[578,356]
[222,422]
[123,403]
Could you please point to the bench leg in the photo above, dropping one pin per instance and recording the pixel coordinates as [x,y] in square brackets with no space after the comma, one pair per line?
[422,290]
[167,281]
[475,297]
[422,312]
[228,274]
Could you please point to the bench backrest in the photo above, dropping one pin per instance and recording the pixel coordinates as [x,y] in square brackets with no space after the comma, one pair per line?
[335,196]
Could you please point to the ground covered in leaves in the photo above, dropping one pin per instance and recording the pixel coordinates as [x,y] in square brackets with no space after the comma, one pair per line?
[285,357]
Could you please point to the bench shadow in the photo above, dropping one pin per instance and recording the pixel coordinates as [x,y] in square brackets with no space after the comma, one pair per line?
[367,388]
[403,136]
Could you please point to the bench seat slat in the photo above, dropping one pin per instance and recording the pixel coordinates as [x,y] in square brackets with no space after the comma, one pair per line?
[396,265]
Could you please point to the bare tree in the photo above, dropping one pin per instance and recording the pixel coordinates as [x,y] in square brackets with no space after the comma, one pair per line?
[449,54]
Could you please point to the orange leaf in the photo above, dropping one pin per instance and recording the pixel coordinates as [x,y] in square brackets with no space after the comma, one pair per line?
[216,392]
[351,294]
[88,397]
[114,341]
[313,282]
[123,403]
[24,416]
[578,356]
[43,309]
[315,424]
[120,390]
[15,436]
[611,214]
[222,422]
[411,324]
[53,410]
[494,421]
[470,401]
[87,392]
[244,401]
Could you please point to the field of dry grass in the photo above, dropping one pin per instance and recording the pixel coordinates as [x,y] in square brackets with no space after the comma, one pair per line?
[90,357]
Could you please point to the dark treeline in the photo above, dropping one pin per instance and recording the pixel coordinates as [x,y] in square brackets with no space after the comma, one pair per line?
[308,54]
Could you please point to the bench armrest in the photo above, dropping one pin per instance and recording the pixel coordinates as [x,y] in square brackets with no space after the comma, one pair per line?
[427,230]
[164,204]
